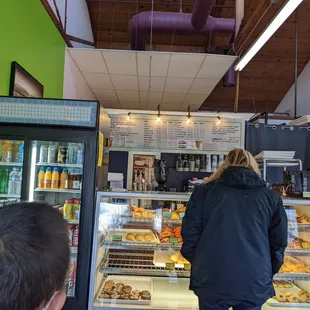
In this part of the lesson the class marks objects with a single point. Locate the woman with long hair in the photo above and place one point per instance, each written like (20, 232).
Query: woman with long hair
(234, 235)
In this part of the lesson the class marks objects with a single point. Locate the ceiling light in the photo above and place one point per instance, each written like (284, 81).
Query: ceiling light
(189, 115)
(128, 117)
(158, 113)
(280, 18)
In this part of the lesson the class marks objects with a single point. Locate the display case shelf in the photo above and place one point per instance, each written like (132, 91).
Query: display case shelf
(146, 221)
(9, 196)
(292, 276)
(5, 164)
(297, 252)
(137, 264)
(123, 245)
(59, 165)
(54, 190)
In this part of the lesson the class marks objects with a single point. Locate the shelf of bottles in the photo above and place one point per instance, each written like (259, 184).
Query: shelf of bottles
(56, 177)
(11, 168)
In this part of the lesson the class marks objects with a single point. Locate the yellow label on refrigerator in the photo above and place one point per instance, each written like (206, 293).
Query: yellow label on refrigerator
(100, 149)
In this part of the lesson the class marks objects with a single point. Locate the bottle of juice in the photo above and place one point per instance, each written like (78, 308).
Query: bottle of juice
(67, 210)
(64, 179)
(48, 178)
(41, 178)
(7, 152)
(55, 178)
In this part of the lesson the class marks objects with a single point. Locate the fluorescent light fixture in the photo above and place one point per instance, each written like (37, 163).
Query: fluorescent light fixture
(281, 17)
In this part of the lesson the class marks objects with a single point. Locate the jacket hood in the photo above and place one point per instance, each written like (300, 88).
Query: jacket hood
(241, 177)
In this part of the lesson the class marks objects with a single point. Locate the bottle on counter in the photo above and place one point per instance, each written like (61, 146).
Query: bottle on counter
(214, 163)
(192, 163)
(221, 159)
(197, 163)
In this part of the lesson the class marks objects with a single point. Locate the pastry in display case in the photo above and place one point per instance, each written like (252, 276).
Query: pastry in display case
(137, 264)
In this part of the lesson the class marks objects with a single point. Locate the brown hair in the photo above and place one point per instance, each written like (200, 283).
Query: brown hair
(34, 255)
(236, 158)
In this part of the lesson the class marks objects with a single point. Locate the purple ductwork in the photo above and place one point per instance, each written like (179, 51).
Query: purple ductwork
(140, 26)
(201, 13)
(229, 79)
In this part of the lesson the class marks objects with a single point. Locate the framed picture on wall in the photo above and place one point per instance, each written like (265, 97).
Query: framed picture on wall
(23, 84)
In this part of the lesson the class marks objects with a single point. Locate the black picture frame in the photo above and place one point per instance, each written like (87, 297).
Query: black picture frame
(23, 84)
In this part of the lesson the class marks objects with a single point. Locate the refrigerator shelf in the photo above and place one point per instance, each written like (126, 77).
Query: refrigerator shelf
(73, 222)
(137, 264)
(9, 196)
(123, 245)
(5, 164)
(54, 190)
(59, 165)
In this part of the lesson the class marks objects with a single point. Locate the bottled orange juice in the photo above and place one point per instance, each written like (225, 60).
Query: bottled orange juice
(48, 178)
(55, 178)
(7, 152)
(64, 179)
(41, 178)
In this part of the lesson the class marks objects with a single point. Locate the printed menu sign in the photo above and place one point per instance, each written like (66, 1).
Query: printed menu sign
(175, 135)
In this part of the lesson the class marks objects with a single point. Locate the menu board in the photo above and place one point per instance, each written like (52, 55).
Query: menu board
(171, 134)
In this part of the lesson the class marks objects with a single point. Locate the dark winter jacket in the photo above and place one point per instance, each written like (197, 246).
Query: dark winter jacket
(235, 234)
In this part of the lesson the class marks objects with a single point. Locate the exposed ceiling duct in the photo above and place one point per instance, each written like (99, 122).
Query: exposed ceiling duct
(143, 24)
(201, 12)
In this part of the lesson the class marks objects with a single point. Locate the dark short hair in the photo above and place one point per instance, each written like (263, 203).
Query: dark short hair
(34, 255)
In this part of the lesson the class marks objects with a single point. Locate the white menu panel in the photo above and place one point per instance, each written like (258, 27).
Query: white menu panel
(171, 134)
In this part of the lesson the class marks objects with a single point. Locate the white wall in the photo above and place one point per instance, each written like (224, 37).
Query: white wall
(78, 20)
(303, 95)
(75, 86)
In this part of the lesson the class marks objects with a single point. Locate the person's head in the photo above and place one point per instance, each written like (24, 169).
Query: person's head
(34, 257)
(236, 158)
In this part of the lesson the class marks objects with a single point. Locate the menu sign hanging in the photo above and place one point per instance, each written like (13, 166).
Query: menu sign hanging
(176, 135)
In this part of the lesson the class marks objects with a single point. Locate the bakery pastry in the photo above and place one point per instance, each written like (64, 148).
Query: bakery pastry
(104, 296)
(130, 237)
(136, 214)
(175, 257)
(280, 297)
(108, 286)
(133, 297)
(304, 298)
(127, 289)
(141, 209)
(174, 216)
(124, 296)
(134, 208)
(181, 210)
(293, 299)
(148, 238)
(145, 295)
(139, 237)
(119, 287)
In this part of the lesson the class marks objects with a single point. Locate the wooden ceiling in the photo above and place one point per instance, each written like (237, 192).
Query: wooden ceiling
(263, 83)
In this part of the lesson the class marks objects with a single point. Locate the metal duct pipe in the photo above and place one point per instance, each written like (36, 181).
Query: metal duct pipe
(201, 13)
(229, 79)
(140, 26)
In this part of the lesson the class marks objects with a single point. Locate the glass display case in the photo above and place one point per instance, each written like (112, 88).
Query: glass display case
(136, 262)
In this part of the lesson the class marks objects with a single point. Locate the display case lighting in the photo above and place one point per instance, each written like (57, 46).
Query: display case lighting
(189, 115)
(158, 113)
(219, 122)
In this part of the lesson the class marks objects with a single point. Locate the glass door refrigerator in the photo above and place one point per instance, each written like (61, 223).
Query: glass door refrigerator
(51, 155)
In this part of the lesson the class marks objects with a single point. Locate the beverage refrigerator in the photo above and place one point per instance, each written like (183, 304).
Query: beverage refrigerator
(48, 152)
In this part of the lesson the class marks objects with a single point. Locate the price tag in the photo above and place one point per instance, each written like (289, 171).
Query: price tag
(174, 240)
(187, 266)
(117, 238)
(170, 265)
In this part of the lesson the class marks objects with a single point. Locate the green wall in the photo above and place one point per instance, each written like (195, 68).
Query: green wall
(28, 36)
